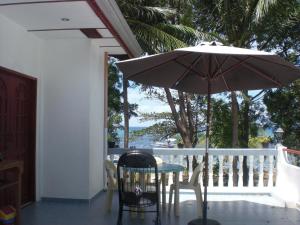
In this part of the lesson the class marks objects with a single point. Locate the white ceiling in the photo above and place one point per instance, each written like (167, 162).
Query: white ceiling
(44, 19)
(48, 15)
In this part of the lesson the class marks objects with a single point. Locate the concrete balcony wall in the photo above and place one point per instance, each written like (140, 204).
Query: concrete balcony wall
(288, 180)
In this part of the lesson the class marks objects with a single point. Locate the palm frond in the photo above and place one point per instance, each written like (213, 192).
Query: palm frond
(152, 39)
(184, 33)
(262, 8)
(152, 15)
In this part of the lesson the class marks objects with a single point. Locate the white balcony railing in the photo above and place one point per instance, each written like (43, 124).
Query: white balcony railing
(260, 163)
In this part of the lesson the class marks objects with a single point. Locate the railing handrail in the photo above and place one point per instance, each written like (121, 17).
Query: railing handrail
(200, 151)
(291, 151)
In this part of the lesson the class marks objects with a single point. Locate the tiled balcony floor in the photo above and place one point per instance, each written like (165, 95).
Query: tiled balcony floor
(228, 210)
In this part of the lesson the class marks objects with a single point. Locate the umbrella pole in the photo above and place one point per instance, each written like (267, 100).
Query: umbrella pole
(206, 153)
(204, 220)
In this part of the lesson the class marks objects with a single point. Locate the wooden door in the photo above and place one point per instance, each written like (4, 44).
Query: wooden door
(17, 125)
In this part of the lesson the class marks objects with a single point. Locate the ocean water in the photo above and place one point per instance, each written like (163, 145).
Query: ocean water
(145, 141)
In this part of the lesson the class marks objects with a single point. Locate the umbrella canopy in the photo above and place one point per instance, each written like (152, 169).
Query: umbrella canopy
(227, 68)
(207, 69)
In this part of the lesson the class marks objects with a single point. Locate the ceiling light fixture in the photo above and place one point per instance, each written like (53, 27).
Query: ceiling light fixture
(65, 19)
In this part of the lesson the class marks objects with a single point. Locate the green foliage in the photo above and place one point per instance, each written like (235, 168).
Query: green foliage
(157, 25)
(162, 25)
(258, 142)
(284, 110)
(114, 101)
(221, 131)
(115, 104)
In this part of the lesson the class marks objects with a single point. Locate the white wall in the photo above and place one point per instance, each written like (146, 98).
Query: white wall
(72, 119)
(69, 111)
(96, 119)
(19, 50)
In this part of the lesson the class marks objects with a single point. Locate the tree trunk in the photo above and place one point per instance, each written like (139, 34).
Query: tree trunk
(126, 113)
(235, 138)
(181, 121)
(245, 135)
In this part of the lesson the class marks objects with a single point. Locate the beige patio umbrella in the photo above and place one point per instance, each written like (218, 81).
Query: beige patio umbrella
(211, 68)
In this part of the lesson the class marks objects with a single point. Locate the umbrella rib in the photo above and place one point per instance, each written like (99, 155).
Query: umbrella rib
(220, 68)
(219, 65)
(201, 75)
(264, 75)
(188, 69)
(280, 64)
(228, 88)
(152, 68)
(234, 66)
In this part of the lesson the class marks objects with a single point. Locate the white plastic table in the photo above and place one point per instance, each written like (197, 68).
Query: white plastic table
(164, 168)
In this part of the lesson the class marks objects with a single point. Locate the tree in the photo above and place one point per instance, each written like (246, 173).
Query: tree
(283, 107)
(247, 23)
(114, 101)
(159, 29)
(115, 105)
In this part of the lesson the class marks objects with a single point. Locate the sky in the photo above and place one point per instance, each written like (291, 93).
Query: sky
(144, 105)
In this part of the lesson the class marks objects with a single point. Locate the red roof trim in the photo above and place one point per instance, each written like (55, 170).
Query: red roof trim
(292, 151)
(107, 23)
(91, 33)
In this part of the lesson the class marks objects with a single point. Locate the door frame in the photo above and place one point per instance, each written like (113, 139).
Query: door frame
(33, 80)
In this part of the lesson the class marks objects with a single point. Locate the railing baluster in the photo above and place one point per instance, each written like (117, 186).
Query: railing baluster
(171, 159)
(256, 160)
(210, 171)
(230, 178)
(240, 182)
(261, 171)
(221, 158)
(270, 180)
(251, 160)
(190, 169)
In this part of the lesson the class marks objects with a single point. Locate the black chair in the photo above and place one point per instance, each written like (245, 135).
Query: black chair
(138, 191)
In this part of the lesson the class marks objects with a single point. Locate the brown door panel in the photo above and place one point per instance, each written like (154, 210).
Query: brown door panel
(17, 125)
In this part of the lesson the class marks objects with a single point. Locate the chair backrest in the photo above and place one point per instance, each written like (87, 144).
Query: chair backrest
(132, 170)
(195, 175)
(111, 171)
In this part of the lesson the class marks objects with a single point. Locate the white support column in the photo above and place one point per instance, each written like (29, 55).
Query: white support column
(251, 160)
(221, 158)
(210, 171)
(261, 171)
(240, 182)
(270, 181)
(230, 179)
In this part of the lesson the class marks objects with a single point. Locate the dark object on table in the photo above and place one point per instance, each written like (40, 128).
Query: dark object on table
(202, 222)
(138, 191)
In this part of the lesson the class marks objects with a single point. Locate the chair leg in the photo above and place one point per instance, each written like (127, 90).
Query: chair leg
(199, 200)
(108, 201)
(120, 216)
(170, 198)
(157, 220)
